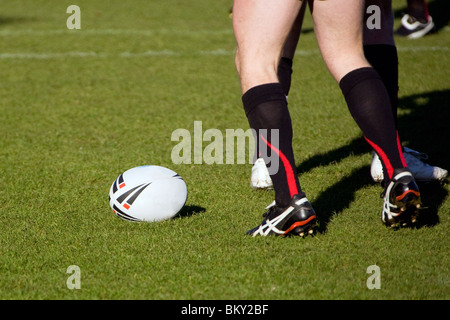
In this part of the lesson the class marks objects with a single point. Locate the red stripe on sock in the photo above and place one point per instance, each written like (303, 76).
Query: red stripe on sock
(384, 158)
(426, 11)
(290, 177)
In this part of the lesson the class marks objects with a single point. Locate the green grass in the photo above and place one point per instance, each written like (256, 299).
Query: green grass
(78, 107)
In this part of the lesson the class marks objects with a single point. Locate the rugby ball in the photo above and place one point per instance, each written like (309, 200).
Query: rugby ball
(147, 193)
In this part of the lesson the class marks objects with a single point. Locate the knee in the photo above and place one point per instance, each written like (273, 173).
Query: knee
(254, 64)
(255, 69)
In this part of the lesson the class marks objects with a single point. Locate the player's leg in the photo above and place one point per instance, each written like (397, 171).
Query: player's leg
(261, 28)
(260, 178)
(338, 26)
(381, 52)
(379, 46)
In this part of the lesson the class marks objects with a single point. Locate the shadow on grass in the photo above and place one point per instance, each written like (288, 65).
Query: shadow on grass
(424, 126)
(338, 197)
(357, 146)
(15, 20)
(188, 211)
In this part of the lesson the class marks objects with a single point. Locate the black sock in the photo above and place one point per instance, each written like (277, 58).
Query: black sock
(382, 57)
(384, 60)
(369, 104)
(266, 109)
(285, 73)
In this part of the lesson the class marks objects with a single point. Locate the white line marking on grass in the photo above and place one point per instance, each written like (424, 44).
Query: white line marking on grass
(114, 32)
(421, 49)
(169, 53)
(119, 32)
(166, 53)
(47, 56)
(150, 53)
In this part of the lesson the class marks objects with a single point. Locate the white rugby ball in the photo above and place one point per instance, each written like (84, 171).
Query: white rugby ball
(148, 193)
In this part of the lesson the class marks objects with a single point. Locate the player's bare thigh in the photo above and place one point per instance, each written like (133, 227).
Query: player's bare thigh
(261, 28)
(338, 28)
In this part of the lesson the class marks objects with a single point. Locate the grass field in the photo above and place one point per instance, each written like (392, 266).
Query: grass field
(78, 107)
